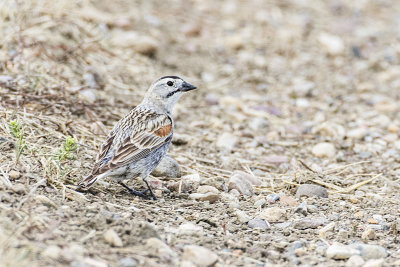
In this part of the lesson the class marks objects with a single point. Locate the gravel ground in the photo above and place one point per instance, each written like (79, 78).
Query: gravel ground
(287, 154)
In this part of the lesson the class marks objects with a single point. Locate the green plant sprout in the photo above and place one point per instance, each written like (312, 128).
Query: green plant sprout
(17, 131)
(67, 152)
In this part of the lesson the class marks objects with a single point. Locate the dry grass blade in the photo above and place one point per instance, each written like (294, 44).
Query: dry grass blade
(358, 185)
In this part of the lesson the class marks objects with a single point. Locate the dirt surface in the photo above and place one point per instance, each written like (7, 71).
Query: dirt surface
(290, 92)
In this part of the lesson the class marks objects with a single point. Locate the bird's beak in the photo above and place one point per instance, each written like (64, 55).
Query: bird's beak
(187, 87)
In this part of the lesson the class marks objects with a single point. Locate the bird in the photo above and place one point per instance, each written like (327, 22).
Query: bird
(139, 141)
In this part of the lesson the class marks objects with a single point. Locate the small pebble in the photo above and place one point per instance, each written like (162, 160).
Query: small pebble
(272, 198)
(273, 214)
(112, 238)
(243, 182)
(283, 225)
(260, 203)
(210, 197)
(242, 216)
(322, 150)
(369, 234)
(190, 229)
(206, 189)
(227, 141)
(200, 256)
(354, 200)
(311, 190)
(18, 188)
(276, 159)
(52, 251)
(372, 221)
(127, 262)
(359, 193)
(332, 44)
(374, 263)
(181, 187)
(359, 214)
(357, 133)
(258, 223)
(212, 99)
(355, 261)
(302, 209)
(157, 248)
(368, 252)
(312, 223)
(14, 175)
(288, 200)
(343, 234)
(341, 252)
(327, 228)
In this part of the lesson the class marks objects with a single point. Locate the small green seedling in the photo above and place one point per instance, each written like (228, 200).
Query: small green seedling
(67, 152)
(17, 131)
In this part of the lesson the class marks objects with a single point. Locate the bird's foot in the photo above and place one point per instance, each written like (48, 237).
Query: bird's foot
(142, 194)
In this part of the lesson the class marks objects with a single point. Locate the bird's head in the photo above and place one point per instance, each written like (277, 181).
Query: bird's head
(166, 91)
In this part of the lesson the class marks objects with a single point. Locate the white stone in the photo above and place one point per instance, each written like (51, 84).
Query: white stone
(210, 197)
(324, 150)
(375, 263)
(341, 252)
(355, 261)
(52, 251)
(158, 248)
(206, 189)
(332, 44)
(273, 214)
(227, 141)
(242, 216)
(357, 133)
(112, 238)
(368, 252)
(190, 229)
(200, 256)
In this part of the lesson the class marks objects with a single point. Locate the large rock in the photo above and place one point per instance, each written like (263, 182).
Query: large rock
(168, 167)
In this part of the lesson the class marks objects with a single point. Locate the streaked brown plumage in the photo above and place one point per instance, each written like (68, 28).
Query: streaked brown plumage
(140, 140)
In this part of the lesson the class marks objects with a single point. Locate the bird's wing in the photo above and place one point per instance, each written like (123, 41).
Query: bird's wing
(133, 138)
(148, 131)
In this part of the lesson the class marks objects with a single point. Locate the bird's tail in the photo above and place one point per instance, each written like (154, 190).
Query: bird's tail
(87, 182)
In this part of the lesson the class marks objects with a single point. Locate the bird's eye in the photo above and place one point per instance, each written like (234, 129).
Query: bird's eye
(170, 83)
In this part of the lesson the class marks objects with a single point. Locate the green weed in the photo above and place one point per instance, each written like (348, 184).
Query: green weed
(17, 130)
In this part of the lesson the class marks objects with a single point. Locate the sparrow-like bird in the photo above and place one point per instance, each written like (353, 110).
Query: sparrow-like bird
(138, 142)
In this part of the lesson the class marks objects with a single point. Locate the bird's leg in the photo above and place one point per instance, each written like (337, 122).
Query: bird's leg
(153, 197)
(142, 194)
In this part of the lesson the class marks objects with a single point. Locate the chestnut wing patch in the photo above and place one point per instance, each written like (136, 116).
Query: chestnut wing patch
(147, 136)
(164, 131)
